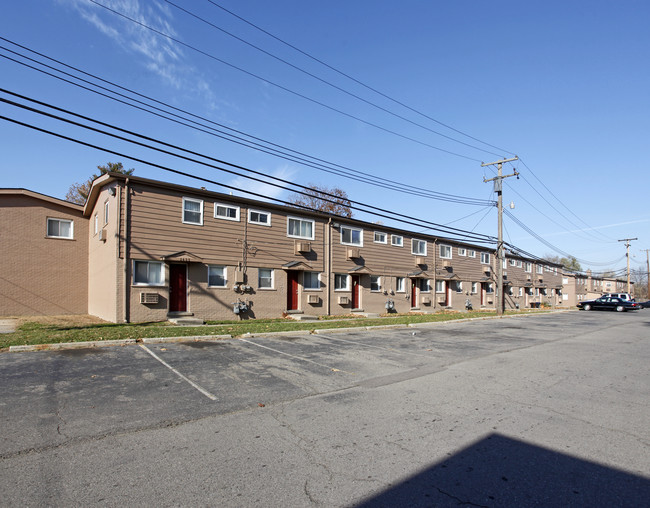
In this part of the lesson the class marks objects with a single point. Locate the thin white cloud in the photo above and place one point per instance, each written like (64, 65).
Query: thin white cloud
(158, 54)
(269, 192)
(596, 228)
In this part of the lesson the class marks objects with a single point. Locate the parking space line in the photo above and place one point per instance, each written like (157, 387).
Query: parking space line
(378, 347)
(202, 390)
(294, 356)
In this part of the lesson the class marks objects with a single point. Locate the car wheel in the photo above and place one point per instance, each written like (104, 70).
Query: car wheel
(587, 307)
(620, 308)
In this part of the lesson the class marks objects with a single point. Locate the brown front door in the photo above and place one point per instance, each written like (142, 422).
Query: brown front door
(292, 290)
(414, 292)
(356, 288)
(177, 288)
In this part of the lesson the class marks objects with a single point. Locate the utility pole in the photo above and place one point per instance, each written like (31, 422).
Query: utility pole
(627, 255)
(498, 188)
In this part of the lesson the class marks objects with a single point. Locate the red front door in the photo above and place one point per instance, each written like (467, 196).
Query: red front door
(292, 290)
(414, 293)
(356, 287)
(177, 288)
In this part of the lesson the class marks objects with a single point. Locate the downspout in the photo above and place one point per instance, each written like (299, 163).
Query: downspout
(328, 266)
(435, 276)
(127, 279)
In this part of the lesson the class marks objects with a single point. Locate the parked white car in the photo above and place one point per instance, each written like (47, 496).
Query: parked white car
(622, 296)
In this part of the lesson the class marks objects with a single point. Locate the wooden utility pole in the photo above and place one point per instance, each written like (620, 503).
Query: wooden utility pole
(627, 254)
(498, 188)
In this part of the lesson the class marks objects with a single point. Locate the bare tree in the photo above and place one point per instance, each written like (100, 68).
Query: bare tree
(321, 198)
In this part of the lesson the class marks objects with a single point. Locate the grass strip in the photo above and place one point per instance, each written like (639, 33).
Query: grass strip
(35, 332)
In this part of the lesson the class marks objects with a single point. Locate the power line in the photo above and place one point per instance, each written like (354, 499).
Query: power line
(300, 158)
(328, 83)
(370, 209)
(355, 80)
(281, 87)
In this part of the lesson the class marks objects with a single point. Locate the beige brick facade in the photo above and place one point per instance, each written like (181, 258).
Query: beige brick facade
(42, 274)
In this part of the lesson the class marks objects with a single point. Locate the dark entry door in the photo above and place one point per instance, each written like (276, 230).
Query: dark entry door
(292, 290)
(356, 288)
(414, 292)
(177, 288)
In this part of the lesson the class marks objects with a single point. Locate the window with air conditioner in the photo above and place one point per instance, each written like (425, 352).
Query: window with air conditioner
(148, 273)
(445, 251)
(311, 280)
(351, 236)
(341, 282)
(300, 228)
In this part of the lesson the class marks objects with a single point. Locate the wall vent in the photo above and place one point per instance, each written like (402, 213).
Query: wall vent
(313, 299)
(344, 300)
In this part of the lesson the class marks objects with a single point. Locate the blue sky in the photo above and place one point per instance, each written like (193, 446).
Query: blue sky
(564, 85)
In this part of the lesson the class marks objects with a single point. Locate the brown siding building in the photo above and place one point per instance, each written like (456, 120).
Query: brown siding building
(146, 250)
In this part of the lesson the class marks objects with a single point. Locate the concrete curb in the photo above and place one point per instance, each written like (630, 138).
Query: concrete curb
(208, 338)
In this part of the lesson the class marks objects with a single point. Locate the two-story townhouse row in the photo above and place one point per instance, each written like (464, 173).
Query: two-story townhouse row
(154, 250)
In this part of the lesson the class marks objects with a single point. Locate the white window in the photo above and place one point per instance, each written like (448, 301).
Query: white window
(193, 211)
(485, 258)
(106, 208)
(217, 276)
(227, 212)
(259, 217)
(474, 288)
(399, 284)
(489, 288)
(425, 285)
(513, 262)
(462, 251)
(311, 280)
(459, 286)
(60, 228)
(265, 278)
(375, 283)
(528, 267)
(380, 237)
(521, 291)
(519, 262)
(440, 286)
(148, 273)
(471, 253)
(300, 228)
(540, 269)
(340, 282)
(419, 247)
(351, 236)
(96, 223)
(396, 240)
(445, 251)
(565, 280)
(504, 264)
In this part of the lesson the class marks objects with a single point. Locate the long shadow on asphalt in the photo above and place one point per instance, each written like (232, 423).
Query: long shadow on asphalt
(501, 471)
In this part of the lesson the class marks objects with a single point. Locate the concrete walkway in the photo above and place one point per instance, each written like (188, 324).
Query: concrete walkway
(7, 325)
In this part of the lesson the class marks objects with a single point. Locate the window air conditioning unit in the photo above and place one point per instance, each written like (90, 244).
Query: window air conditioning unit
(102, 235)
(239, 276)
(446, 264)
(426, 300)
(487, 272)
(420, 260)
(149, 298)
(300, 247)
(352, 253)
(344, 300)
(441, 299)
(313, 299)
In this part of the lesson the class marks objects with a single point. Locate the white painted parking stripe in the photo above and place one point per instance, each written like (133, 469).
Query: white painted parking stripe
(202, 390)
(294, 356)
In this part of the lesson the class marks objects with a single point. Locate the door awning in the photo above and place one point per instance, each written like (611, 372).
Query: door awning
(419, 273)
(182, 257)
(296, 265)
(360, 269)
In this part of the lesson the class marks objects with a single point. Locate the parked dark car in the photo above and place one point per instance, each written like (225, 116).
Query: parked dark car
(609, 303)
(645, 305)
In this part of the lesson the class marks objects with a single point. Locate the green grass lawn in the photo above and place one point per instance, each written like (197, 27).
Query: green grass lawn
(69, 329)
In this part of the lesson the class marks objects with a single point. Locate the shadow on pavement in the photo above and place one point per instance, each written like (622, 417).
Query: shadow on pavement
(500, 471)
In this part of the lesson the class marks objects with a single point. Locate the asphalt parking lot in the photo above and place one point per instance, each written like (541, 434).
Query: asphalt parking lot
(56, 400)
